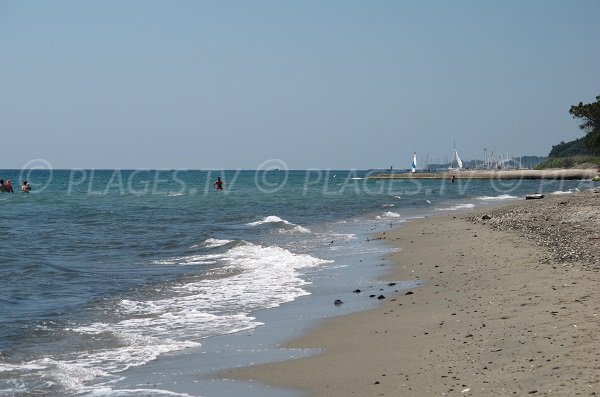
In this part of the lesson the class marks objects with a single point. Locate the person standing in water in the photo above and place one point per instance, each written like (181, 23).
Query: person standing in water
(25, 187)
(218, 183)
(8, 187)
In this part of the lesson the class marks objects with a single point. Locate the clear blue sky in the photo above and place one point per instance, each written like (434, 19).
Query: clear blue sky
(326, 84)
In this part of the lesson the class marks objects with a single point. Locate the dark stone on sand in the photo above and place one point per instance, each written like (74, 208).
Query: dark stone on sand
(357, 291)
(409, 293)
(376, 383)
(486, 217)
(337, 302)
(371, 296)
(381, 297)
(391, 284)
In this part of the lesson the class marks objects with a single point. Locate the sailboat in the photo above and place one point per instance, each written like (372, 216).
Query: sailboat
(414, 163)
(456, 160)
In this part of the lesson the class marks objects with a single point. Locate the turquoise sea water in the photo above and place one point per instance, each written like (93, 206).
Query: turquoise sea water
(106, 270)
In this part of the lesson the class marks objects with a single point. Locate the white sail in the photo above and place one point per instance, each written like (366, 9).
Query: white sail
(414, 163)
(459, 163)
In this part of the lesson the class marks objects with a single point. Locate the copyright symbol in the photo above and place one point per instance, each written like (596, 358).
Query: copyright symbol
(505, 186)
(271, 176)
(38, 173)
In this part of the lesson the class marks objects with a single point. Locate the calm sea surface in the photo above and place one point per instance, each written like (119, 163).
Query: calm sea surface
(102, 271)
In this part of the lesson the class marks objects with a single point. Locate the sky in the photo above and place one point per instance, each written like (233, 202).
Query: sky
(313, 84)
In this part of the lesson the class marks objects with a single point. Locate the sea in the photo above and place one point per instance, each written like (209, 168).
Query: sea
(107, 275)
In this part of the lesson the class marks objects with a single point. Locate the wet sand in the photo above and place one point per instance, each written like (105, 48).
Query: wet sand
(495, 317)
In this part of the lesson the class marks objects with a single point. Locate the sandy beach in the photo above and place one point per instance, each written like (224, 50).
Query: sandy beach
(510, 306)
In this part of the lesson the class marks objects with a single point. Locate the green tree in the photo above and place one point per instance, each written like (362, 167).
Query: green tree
(589, 114)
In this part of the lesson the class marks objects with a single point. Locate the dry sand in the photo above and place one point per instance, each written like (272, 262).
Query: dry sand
(494, 318)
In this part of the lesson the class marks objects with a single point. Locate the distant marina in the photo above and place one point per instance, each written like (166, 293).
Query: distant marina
(492, 167)
(565, 174)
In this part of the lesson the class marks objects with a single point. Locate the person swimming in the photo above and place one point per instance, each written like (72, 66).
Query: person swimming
(218, 183)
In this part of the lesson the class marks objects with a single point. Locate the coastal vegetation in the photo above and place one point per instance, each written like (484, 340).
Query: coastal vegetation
(568, 162)
(589, 114)
(572, 148)
(582, 151)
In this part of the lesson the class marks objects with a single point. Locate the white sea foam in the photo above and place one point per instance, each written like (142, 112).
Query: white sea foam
(285, 226)
(189, 260)
(259, 277)
(343, 236)
(108, 392)
(75, 374)
(559, 192)
(31, 366)
(295, 229)
(71, 376)
(213, 242)
(270, 219)
(499, 197)
(457, 207)
(389, 215)
(389, 205)
(256, 277)
(137, 350)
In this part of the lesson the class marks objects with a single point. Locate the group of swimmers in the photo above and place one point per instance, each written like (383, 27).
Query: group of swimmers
(6, 187)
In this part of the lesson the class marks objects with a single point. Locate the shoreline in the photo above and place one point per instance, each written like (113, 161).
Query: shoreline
(497, 315)
(554, 174)
(191, 372)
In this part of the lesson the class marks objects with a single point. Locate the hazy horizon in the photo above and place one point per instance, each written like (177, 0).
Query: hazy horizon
(269, 165)
(329, 85)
